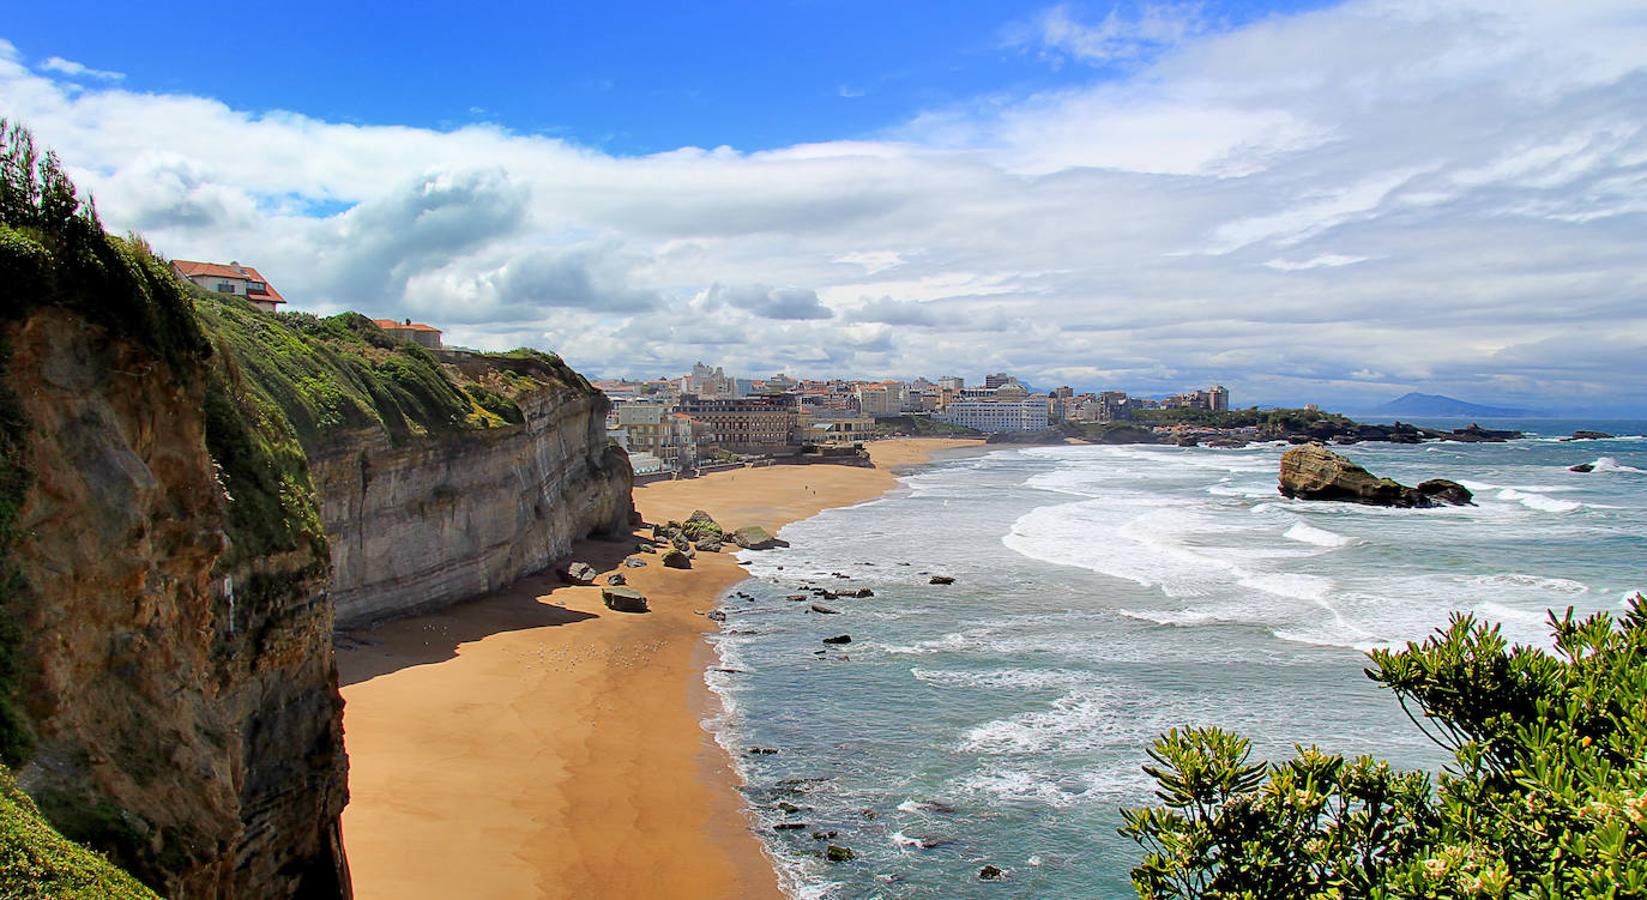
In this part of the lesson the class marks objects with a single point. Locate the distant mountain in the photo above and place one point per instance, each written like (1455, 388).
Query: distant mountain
(1416, 404)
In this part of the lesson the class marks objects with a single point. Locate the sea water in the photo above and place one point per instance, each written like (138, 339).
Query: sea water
(1101, 596)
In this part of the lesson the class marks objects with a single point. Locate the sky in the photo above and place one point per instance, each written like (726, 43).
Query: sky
(1307, 202)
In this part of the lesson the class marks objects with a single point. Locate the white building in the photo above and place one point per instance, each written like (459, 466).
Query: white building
(881, 399)
(710, 384)
(993, 416)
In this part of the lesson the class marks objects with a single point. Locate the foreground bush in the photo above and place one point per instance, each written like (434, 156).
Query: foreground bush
(1546, 797)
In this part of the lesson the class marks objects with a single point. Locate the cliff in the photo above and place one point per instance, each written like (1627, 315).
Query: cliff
(169, 696)
(441, 475)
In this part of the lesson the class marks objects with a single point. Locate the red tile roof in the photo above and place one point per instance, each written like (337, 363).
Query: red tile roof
(392, 325)
(193, 270)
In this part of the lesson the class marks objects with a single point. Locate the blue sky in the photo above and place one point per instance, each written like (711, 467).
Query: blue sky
(1334, 203)
(626, 77)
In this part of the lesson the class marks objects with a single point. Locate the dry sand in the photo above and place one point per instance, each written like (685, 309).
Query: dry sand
(534, 743)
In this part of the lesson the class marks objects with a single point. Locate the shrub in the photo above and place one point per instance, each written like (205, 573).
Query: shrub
(1547, 796)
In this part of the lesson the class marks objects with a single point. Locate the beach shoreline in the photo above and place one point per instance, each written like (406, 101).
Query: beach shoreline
(534, 742)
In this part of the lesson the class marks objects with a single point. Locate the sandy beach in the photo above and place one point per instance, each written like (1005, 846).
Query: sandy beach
(534, 743)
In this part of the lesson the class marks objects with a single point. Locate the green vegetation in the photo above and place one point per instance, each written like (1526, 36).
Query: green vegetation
(38, 862)
(1546, 796)
(1268, 421)
(921, 426)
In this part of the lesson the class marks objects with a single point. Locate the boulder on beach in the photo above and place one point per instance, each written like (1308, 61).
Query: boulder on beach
(709, 545)
(623, 599)
(1312, 472)
(634, 562)
(676, 558)
(754, 537)
(579, 573)
(616, 578)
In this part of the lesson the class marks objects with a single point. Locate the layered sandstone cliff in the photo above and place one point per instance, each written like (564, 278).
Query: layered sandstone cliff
(180, 695)
(441, 519)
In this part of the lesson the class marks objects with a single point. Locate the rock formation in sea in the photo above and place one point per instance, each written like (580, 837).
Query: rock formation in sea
(1312, 472)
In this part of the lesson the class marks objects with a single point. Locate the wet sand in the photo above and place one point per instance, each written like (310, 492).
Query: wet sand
(535, 743)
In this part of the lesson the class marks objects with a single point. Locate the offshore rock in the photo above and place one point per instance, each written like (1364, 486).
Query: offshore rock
(1312, 472)
(1449, 492)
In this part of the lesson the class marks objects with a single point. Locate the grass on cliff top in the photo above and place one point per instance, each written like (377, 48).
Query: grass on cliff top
(37, 861)
(343, 373)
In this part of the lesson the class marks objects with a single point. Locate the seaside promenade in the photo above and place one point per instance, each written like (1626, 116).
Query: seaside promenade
(534, 743)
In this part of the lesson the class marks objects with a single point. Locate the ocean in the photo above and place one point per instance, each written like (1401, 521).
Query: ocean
(1101, 596)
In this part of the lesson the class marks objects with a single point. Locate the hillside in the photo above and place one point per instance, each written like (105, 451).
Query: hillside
(1416, 404)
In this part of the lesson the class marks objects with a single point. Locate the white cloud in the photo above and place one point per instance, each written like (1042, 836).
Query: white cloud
(1325, 260)
(77, 70)
(1208, 211)
(1127, 32)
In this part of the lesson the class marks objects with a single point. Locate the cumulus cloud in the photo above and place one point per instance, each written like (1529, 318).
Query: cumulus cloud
(772, 303)
(1336, 205)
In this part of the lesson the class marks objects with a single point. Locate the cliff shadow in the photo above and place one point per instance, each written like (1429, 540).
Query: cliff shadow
(432, 637)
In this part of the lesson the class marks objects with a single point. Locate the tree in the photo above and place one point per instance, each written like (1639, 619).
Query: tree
(1547, 796)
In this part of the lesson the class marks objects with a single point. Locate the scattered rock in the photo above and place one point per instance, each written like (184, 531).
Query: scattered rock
(824, 835)
(762, 751)
(788, 807)
(623, 599)
(820, 608)
(941, 579)
(990, 873)
(837, 853)
(754, 537)
(645, 548)
(795, 598)
(839, 639)
(1449, 492)
(579, 573)
(1312, 472)
(716, 615)
(709, 545)
(1582, 467)
(789, 826)
(869, 813)
(634, 563)
(615, 579)
(856, 592)
(675, 558)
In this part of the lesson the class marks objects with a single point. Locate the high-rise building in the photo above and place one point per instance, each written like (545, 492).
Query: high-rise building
(996, 379)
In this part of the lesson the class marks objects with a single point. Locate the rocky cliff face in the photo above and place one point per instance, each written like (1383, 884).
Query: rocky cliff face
(181, 694)
(441, 519)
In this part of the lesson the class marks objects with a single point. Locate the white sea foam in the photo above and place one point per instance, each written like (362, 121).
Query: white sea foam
(999, 678)
(1611, 464)
(1540, 502)
(1320, 537)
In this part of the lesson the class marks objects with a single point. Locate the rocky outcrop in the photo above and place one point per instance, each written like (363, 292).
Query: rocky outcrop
(1312, 472)
(176, 664)
(440, 519)
(754, 537)
(1582, 435)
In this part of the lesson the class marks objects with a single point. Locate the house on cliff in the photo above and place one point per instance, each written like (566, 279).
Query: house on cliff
(234, 278)
(411, 332)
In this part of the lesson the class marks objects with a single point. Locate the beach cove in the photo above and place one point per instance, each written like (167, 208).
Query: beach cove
(534, 743)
